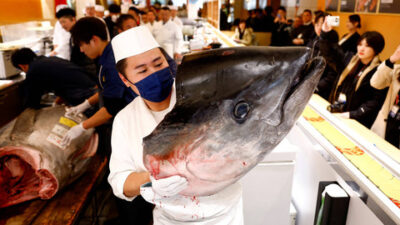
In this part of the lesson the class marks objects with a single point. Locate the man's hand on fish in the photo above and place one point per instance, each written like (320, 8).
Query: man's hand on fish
(162, 188)
(73, 133)
(73, 111)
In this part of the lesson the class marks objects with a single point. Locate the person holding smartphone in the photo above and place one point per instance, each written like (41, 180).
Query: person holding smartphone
(387, 122)
(352, 95)
(280, 32)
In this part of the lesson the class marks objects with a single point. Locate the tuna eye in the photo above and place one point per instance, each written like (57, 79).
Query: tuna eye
(241, 111)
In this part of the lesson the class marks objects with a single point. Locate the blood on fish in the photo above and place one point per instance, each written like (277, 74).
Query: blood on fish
(195, 216)
(244, 163)
(195, 200)
(173, 157)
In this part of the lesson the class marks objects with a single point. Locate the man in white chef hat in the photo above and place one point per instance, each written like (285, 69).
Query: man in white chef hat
(61, 38)
(169, 35)
(90, 8)
(142, 66)
(99, 11)
(174, 17)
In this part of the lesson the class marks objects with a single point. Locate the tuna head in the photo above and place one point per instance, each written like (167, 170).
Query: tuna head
(233, 107)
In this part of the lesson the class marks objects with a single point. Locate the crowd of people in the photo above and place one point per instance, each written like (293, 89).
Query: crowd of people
(355, 82)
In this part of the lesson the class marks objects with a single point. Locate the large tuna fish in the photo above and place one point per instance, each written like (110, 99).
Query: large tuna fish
(233, 107)
(32, 162)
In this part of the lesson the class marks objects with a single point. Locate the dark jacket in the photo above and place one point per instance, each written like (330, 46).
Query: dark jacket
(350, 45)
(80, 59)
(306, 33)
(366, 101)
(53, 74)
(280, 35)
(255, 23)
(324, 45)
(267, 23)
(111, 26)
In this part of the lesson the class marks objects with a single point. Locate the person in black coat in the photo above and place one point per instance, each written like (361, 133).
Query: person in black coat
(296, 27)
(267, 20)
(115, 11)
(223, 20)
(254, 21)
(51, 74)
(321, 45)
(306, 30)
(349, 41)
(352, 95)
(280, 34)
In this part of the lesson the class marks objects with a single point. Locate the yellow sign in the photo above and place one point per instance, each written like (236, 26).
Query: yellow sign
(67, 122)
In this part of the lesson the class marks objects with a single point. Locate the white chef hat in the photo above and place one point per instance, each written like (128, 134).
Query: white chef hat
(133, 42)
(62, 6)
(99, 8)
(90, 3)
(172, 7)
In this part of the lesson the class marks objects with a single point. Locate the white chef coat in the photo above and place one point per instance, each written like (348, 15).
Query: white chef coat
(130, 126)
(61, 38)
(178, 21)
(170, 38)
(152, 27)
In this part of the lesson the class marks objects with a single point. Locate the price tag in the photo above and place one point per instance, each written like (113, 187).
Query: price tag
(56, 140)
(59, 130)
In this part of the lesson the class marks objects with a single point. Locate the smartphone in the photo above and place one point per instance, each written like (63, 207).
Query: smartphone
(333, 21)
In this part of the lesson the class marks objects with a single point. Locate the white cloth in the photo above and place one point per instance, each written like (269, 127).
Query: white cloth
(153, 27)
(170, 38)
(61, 38)
(133, 123)
(178, 22)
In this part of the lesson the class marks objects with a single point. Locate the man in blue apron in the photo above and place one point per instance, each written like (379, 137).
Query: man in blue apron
(90, 34)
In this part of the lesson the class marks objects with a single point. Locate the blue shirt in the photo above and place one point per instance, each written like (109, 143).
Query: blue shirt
(111, 83)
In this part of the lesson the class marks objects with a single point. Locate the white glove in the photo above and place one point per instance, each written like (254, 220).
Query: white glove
(73, 111)
(73, 133)
(163, 188)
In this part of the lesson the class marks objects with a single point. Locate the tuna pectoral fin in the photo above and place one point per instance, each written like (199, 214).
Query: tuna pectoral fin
(299, 98)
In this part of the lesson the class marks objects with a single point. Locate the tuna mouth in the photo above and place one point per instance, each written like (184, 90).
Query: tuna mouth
(24, 175)
(21, 179)
(307, 74)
